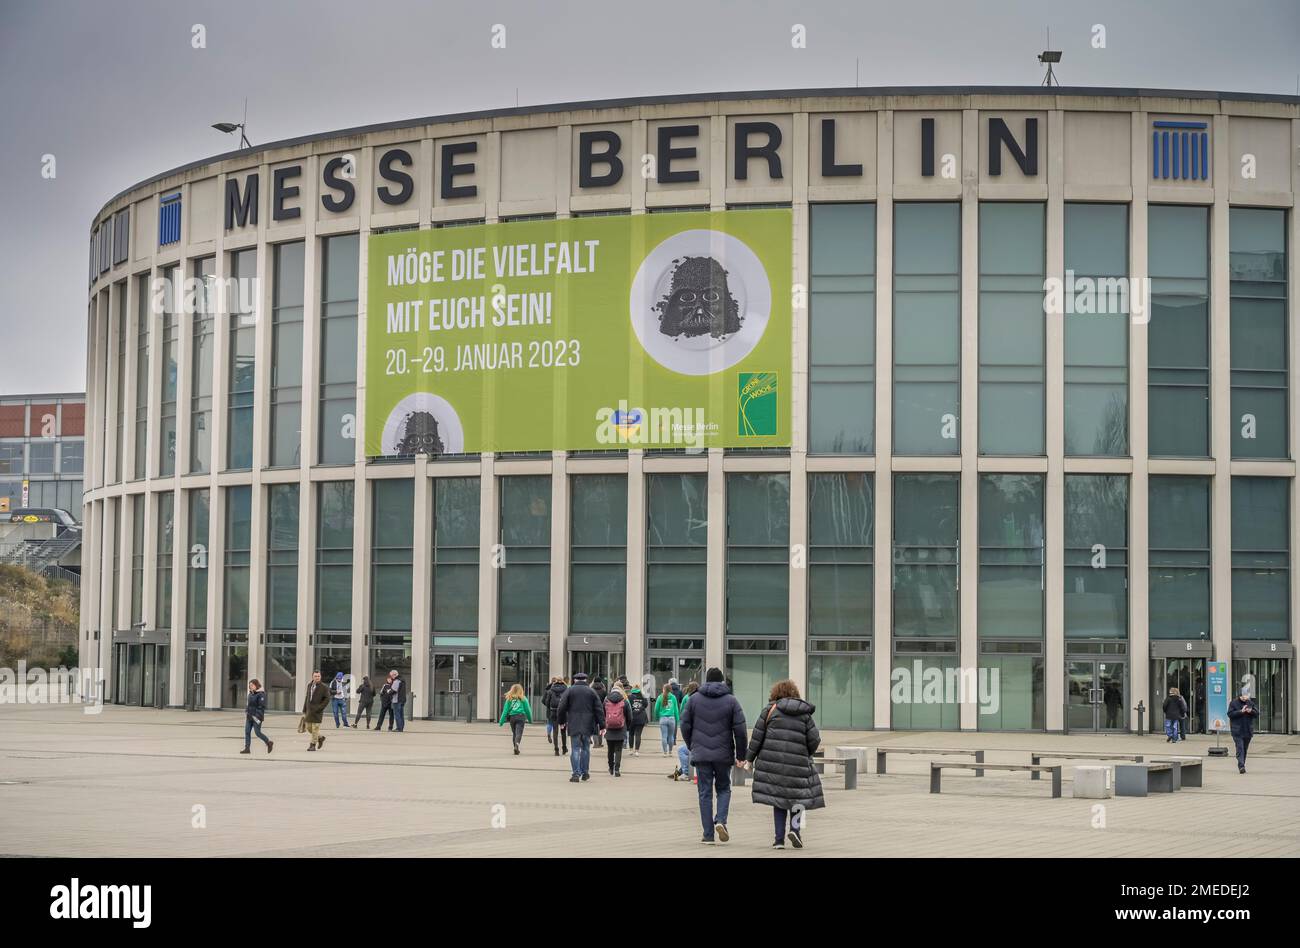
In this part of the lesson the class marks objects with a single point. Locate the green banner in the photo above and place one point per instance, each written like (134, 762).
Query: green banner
(647, 330)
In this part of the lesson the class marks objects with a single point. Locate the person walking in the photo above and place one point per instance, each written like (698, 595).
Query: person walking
(1242, 712)
(690, 689)
(640, 706)
(781, 755)
(581, 714)
(313, 709)
(713, 728)
(669, 713)
(559, 737)
(601, 690)
(399, 700)
(385, 703)
(618, 716)
(365, 698)
(1175, 709)
(339, 699)
(515, 709)
(254, 715)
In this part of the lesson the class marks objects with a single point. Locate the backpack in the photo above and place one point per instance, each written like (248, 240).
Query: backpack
(614, 717)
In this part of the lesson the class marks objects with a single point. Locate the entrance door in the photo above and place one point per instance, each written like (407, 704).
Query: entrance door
(1188, 676)
(527, 668)
(121, 660)
(684, 667)
(1267, 678)
(1095, 694)
(195, 662)
(452, 678)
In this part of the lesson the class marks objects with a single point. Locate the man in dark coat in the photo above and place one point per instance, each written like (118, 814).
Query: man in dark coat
(1242, 712)
(598, 686)
(314, 704)
(399, 699)
(365, 698)
(713, 729)
(551, 699)
(581, 714)
(385, 703)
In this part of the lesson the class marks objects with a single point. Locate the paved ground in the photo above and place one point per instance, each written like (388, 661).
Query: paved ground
(127, 782)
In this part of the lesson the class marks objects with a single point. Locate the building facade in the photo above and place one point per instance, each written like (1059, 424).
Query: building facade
(42, 451)
(1044, 418)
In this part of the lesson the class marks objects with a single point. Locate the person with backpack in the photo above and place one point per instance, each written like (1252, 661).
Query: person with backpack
(551, 699)
(601, 690)
(714, 730)
(385, 703)
(1175, 709)
(618, 715)
(365, 698)
(781, 756)
(339, 699)
(254, 715)
(668, 713)
(515, 709)
(640, 706)
(582, 714)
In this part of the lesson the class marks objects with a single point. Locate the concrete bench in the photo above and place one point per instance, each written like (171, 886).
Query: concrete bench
(1091, 783)
(856, 752)
(1138, 780)
(1187, 770)
(882, 751)
(1039, 757)
(848, 766)
(937, 767)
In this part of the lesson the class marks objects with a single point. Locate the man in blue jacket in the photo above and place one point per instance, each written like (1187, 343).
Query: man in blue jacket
(581, 715)
(713, 729)
(1242, 712)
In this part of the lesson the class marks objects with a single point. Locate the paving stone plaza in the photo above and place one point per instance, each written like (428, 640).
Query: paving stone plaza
(151, 783)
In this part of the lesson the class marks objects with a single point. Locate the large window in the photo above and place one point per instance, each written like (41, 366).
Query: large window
(926, 530)
(137, 559)
(927, 328)
(142, 321)
(1178, 338)
(334, 544)
(119, 419)
(1096, 556)
(524, 592)
(338, 349)
(1096, 329)
(238, 553)
(201, 366)
(170, 363)
(598, 554)
(1261, 558)
(196, 596)
(281, 595)
(677, 522)
(391, 555)
(286, 356)
(1010, 600)
(1179, 574)
(1012, 327)
(40, 457)
(163, 561)
(842, 337)
(841, 514)
(456, 506)
(242, 374)
(1257, 261)
(758, 554)
(72, 459)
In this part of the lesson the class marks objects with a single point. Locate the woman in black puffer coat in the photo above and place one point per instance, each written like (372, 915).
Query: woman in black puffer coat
(780, 753)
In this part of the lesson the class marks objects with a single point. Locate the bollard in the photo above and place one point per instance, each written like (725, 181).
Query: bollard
(1141, 710)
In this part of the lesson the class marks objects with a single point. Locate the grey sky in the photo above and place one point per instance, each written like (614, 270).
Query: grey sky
(116, 93)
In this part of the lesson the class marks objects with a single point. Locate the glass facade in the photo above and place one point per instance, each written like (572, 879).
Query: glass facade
(1258, 332)
(281, 595)
(598, 554)
(758, 551)
(456, 517)
(286, 355)
(166, 525)
(1011, 565)
(1178, 534)
(334, 544)
(242, 375)
(202, 356)
(677, 521)
(392, 541)
(1096, 556)
(524, 590)
(196, 591)
(340, 258)
(1095, 315)
(1261, 558)
(143, 319)
(841, 531)
(1178, 337)
(238, 557)
(925, 561)
(170, 363)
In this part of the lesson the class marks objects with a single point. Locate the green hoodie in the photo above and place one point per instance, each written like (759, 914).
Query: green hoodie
(668, 708)
(516, 706)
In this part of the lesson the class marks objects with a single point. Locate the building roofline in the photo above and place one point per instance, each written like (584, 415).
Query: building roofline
(734, 96)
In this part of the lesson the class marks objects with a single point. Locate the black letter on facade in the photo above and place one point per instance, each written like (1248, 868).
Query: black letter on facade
(744, 152)
(334, 182)
(927, 148)
(280, 193)
(609, 157)
(450, 170)
(829, 168)
(239, 213)
(667, 153)
(401, 178)
(999, 134)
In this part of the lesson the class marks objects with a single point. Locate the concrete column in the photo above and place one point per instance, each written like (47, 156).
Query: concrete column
(1054, 497)
(306, 598)
(421, 583)
(797, 643)
(882, 619)
(968, 539)
(559, 622)
(1138, 497)
(1293, 298)
(1220, 400)
(489, 547)
(716, 607)
(635, 626)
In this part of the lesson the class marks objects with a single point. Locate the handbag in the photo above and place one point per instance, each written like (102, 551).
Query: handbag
(302, 724)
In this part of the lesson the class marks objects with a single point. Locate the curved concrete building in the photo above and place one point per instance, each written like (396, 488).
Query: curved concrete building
(1038, 465)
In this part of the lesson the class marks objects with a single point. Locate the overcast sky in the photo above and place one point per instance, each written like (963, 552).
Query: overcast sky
(115, 91)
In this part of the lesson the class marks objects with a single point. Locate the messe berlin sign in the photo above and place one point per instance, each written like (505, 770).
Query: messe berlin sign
(654, 330)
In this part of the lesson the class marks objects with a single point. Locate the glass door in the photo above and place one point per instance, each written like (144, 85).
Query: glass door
(531, 669)
(1188, 676)
(1267, 678)
(451, 677)
(120, 655)
(684, 667)
(147, 697)
(1095, 695)
(195, 661)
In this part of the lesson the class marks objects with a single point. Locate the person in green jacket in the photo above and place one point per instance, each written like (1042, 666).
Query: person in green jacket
(515, 709)
(669, 714)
